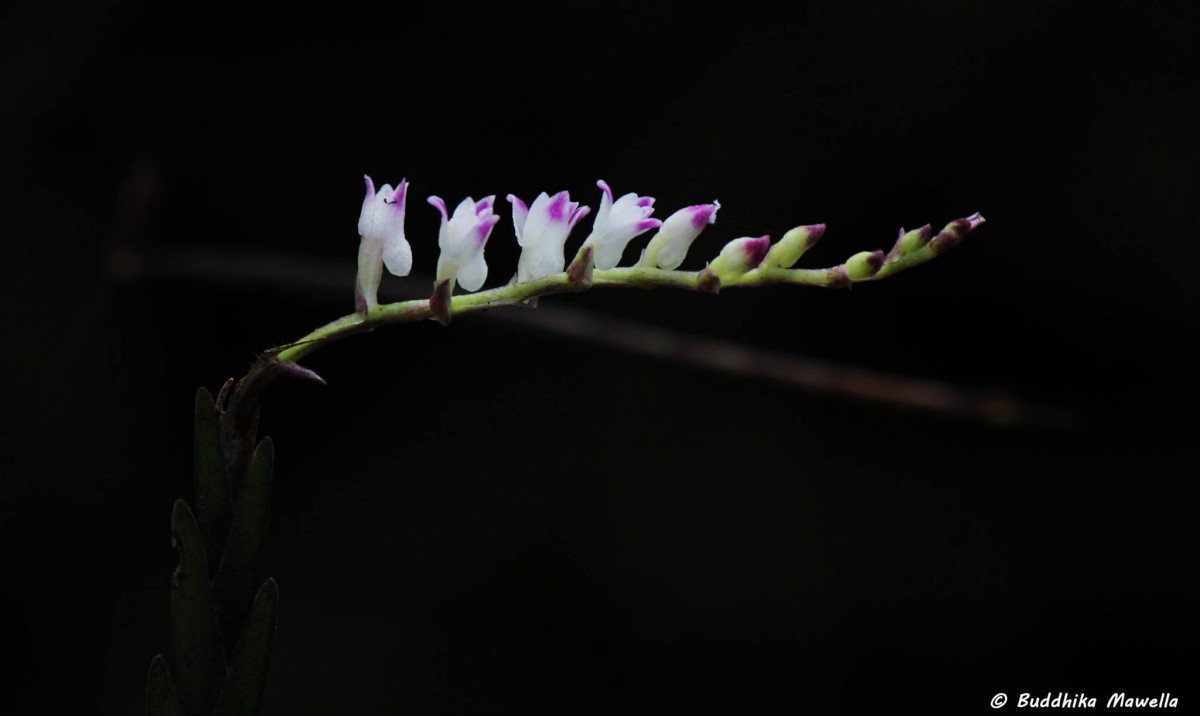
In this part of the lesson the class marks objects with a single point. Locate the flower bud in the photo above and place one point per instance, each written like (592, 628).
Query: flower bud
(788, 250)
(670, 245)
(913, 240)
(864, 265)
(740, 256)
(954, 232)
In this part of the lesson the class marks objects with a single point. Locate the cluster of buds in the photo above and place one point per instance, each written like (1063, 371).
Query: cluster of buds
(543, 227)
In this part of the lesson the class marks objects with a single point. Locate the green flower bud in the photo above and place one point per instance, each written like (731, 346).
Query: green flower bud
(864, 265)
(788, 250)
(954, 232)
(739, 256)
(914, 239)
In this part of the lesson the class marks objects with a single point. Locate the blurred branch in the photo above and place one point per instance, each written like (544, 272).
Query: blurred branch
(256, 268)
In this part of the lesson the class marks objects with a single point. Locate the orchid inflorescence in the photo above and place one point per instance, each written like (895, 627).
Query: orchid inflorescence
(543, 227)
(222, 625)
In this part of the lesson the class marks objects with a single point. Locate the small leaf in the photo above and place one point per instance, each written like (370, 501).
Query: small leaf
(199, 659)
(160, 692)
(233, 587)
(212, 487)
(242, 695)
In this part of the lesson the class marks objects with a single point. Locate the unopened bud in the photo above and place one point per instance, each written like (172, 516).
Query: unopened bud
(788, 250)
(740, 256)
(954, 232)
(913, 240)
(864, 265)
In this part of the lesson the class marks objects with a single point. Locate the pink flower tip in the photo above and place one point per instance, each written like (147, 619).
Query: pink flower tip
(756, 249)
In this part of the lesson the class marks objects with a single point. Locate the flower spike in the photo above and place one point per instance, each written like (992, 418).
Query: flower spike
(670, 245)
(617, 223)
(381, 226)
(542, 231)
(461, 239)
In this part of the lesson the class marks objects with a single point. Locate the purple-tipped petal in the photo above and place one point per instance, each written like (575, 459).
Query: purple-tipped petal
(577, 214)
(520, 216)
(606, 198)
(646, 224)
(484, 228)
(401, 193)
(646, 201)
(438, 203)
(366, 216)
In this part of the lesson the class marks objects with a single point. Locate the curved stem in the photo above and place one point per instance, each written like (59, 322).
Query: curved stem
(634, 277)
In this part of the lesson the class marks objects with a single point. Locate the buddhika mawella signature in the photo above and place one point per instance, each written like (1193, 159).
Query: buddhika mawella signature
(1064, 700)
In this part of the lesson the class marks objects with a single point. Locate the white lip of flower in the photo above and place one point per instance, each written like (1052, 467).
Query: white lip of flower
(542, 231)
(381, 226)
(670, 245)
(617, 223)
(461, 239)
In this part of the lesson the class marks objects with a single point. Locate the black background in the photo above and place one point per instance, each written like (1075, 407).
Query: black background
(489, 519)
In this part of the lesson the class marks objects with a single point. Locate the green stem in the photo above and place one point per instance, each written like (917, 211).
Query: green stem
(635, 277)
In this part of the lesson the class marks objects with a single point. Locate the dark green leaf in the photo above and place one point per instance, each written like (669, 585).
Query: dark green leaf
(199, 658)
(233, 586)
(160, 692)
(242, 695)
(212, 486)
